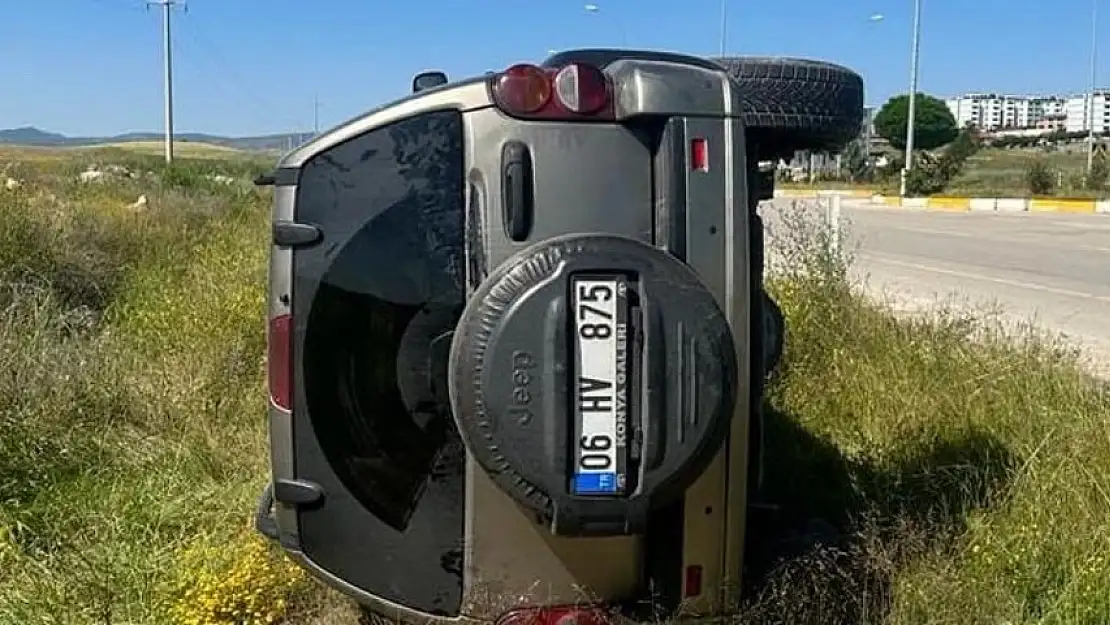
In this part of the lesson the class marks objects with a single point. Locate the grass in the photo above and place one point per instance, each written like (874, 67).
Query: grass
(930, 470)
(131, 436)
(1001, 173)
(992, 172)
(181, 149)
(942, 468)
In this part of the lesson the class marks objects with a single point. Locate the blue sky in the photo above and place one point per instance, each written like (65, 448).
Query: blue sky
(93, 67)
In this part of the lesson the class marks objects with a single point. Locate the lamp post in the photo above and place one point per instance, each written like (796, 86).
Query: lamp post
(724, 25)
(911, 115)
(1091, 97)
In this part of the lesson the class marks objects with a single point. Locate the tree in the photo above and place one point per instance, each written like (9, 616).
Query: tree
(934, 125)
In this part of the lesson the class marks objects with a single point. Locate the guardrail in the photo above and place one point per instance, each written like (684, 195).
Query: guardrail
(960, 203)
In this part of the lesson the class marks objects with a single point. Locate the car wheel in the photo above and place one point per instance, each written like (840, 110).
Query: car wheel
(774, 332)
(796, 104)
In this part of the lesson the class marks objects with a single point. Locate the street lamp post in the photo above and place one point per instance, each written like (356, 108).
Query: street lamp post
(912, 113)
(724, 25)
(1091, 97)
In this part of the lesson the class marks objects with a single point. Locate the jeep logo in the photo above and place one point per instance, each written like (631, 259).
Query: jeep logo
(520, 407)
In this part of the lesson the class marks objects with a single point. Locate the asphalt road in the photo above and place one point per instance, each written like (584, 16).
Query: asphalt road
(1051, 269)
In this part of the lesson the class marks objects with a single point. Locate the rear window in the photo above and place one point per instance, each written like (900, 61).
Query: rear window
(388, 288)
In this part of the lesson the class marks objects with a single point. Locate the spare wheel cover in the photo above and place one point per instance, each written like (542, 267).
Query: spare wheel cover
(512, 387)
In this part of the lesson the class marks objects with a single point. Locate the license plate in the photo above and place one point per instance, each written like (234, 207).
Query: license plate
(600, 313)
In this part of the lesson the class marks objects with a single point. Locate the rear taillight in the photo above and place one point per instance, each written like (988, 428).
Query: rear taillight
(574, 92)
(559, 615)
(279, 361)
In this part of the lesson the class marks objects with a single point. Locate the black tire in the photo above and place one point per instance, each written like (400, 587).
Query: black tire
(797, 104)
(773, 351)
(510, 367)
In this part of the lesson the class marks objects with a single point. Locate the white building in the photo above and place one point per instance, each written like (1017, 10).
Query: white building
(991, 111)
(1078, 112)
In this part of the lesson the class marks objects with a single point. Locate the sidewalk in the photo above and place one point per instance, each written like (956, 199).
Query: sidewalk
(957, 203)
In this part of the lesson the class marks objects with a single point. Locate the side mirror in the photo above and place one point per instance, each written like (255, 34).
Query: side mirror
(428, 80)
(762, 184)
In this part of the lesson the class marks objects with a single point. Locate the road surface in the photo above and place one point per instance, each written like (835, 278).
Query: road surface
(1052, 269)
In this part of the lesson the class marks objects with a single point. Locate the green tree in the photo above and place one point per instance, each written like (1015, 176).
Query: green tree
(934, 125)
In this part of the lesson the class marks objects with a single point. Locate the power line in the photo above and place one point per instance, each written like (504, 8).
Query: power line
(167, 51)
(221, 67)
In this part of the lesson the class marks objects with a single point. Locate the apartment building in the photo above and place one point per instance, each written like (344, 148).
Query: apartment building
(992, 111)
(1078, 111)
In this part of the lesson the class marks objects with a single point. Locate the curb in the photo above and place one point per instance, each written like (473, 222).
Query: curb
(961, 204)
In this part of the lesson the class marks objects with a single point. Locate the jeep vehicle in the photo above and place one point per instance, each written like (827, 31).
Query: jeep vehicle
(518, 335)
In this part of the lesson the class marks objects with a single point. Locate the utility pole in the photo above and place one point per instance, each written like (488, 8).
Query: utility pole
(911, 115)
(724, 25)
(167, 42)
(315, 115)
(1091, 97)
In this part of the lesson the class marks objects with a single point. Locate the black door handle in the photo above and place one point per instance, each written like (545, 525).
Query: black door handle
(517, 190)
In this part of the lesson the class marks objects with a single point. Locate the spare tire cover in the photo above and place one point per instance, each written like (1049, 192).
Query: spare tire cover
(513, 380)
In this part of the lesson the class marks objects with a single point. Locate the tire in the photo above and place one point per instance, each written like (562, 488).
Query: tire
(788, 104)
(774, 328)
(797, 104)
(511, 385)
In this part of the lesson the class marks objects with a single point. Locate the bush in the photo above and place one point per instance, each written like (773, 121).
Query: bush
(933, 174)
(928, 176)
(1099, 177)
(963, 147)
(247, 584)
(857, 162)
(1039, 177)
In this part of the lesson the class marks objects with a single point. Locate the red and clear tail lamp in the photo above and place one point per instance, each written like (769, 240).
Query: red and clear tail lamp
(577, 91)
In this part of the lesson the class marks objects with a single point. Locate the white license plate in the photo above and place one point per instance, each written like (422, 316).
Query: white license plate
(600, 312)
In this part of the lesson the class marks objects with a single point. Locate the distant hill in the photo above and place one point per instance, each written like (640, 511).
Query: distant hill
(31, 136)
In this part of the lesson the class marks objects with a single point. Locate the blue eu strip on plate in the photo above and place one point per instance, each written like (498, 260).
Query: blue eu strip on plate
(595, 483)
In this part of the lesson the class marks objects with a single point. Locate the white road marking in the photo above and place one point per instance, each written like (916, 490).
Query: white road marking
(985, 278)
(1082, 225)
(967, 235)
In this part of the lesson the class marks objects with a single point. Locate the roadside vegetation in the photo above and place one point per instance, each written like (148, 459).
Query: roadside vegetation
(930, 470)
(964, 162)
(937, 468)
(131, 434)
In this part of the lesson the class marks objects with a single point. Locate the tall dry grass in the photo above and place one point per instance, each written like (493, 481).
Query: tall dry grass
(132, 441)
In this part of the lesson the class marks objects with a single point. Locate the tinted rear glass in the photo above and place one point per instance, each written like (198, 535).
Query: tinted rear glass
(389, 289)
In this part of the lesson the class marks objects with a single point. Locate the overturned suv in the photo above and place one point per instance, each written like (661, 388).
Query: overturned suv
(518, 335)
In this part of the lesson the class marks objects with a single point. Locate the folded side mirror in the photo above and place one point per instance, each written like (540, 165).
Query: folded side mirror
(428, 80)
(763, 183)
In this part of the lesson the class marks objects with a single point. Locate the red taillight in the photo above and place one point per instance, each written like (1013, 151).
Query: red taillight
(279, 345)
(574, 92)
(523, 89)
(699, 154)
(559, 615)
(692, 587)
